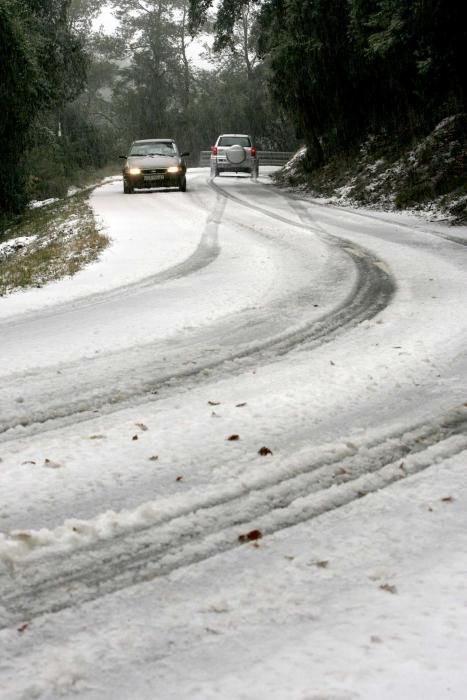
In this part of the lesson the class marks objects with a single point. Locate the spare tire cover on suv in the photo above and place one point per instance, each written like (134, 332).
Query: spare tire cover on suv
(235, 154)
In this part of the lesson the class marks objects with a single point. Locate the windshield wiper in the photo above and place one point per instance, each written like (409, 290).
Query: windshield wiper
(170, 155)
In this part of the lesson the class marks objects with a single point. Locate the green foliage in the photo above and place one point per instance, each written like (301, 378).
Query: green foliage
(159, 92)
(18, 95)
(343, 68)
(56, 162)
(328, 72)
(43, 68)
(438, 166)
(73, 99)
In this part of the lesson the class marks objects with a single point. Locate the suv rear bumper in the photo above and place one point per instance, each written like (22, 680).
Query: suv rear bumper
(223, 165)
(235, 168)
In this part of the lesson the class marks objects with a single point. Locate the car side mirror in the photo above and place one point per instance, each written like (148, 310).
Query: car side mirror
(185, 153)
(122, 157)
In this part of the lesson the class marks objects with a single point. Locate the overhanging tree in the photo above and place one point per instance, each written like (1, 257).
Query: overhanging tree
(345, 67)
(43, 67)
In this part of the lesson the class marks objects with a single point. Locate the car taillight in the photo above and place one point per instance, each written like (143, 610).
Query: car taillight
(253, 152)
(214, 150)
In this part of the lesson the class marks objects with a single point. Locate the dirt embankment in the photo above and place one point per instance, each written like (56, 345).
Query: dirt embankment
(429, 175)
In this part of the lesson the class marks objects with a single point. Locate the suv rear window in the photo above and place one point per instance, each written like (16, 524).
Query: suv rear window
(234, 141)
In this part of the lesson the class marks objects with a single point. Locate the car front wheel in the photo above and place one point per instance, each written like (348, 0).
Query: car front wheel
(127, 189)
(182, 184)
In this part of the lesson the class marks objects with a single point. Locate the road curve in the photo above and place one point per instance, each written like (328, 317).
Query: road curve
(334, 338)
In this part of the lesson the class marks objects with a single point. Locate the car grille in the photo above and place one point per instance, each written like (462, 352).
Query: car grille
(156, 171)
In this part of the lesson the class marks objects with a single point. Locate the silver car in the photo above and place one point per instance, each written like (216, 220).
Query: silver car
(234, 153)
(154, 163)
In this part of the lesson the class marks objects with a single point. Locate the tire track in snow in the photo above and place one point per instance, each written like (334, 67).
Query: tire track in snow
(372, 291)
(206, 252)
(457, 240)
(212, 524)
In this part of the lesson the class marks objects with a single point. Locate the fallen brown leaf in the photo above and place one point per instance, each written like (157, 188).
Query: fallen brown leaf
(388, 587)
(240, 405)
(263, 451)
(447, 499)
(28, 461)
(214, 403)
(233, 437)
(96, 437)
(22, 536)
(142, 426)
(323, 564)
(251, 536)
(154, 458)
(135, 437)
(179, 478)
(23, 627)
(51, 465)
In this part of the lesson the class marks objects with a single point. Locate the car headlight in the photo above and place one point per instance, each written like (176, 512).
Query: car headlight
(173, 169)
(134, 171)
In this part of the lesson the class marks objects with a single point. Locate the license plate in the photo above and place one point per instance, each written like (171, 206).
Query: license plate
(153, 178)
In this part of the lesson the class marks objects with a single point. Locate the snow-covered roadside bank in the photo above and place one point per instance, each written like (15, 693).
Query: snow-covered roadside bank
(410, 219)
(141, 246)
(426, 176)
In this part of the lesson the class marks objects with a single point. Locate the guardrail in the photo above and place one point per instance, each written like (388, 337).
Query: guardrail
(264, 157)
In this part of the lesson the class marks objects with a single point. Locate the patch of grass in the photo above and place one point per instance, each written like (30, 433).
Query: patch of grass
(49, 180)
(55, 241)
(88, 178)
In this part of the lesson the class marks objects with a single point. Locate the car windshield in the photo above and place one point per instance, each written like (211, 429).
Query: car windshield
(234, 141)
(153, 148)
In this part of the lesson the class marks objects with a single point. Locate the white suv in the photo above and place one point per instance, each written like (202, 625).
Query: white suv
(234, 153)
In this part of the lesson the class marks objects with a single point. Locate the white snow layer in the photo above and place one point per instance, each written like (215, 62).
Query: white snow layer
(357, 588)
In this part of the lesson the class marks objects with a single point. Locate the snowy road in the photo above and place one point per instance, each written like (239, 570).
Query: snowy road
(135, 401)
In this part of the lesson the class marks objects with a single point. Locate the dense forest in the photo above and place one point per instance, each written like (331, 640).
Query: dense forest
(287, 71)
(343, 68)
(74, 97)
